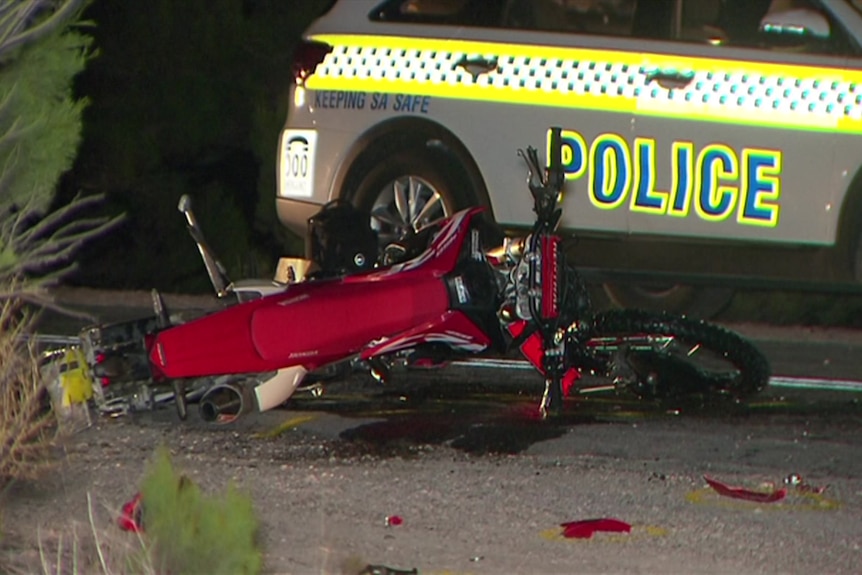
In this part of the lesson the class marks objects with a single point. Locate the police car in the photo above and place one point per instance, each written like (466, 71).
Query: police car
(710, 144)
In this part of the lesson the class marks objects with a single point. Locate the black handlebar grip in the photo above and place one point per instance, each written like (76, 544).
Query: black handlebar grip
(555, 151)
(555, 161)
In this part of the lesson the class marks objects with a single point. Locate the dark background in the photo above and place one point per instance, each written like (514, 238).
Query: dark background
(185, 96)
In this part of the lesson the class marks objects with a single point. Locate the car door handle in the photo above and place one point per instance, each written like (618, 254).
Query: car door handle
(477, 66)
(670, 79)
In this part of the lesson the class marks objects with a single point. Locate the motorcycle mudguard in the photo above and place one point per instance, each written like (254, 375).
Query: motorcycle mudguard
(317, 322)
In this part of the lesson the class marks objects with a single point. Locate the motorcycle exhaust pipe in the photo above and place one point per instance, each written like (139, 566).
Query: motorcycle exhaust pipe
(225, 403)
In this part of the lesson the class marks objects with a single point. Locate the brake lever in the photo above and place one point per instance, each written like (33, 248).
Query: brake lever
(534, 172)
(545, 185)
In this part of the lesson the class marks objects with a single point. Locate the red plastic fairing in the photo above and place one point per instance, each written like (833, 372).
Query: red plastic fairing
(318, 322)
(743, 493)
(452, 328)
(585, 529)
(442, 255)
(310, 324)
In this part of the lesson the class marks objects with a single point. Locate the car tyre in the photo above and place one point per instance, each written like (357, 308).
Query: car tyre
(409, 190)
(697, 302)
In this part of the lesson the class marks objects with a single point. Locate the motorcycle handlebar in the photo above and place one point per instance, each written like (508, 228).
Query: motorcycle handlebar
(546, 185)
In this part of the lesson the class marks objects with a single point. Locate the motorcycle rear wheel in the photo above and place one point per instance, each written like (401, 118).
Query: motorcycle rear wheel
(664, 356)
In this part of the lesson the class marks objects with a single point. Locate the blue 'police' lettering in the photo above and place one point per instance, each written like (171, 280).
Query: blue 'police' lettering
(713, 182)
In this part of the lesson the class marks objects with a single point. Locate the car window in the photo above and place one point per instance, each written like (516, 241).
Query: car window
(606, 17)
(779, 25)
(451, 12)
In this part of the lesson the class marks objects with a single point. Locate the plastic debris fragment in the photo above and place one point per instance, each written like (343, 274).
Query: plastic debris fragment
(131, 515)
(584, 529)
(795, 480)
(746, 494)
(393, 520)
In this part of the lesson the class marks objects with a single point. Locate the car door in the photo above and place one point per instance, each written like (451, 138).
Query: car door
(737, 122)
(550, 63)
(495, 74)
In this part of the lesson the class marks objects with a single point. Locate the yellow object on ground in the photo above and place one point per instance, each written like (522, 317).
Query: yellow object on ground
(70, 385)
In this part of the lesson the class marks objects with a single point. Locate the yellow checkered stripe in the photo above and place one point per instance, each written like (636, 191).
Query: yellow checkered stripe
(741, 92)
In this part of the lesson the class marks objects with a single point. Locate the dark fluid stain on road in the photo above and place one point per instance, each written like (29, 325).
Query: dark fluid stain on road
(473, 416)
(481, 416)
(478, 434)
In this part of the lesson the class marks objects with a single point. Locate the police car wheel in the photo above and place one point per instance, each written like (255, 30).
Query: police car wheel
(409, 191)
(698, 302)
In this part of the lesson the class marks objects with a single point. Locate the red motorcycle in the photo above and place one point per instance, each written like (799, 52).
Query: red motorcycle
(449, 299)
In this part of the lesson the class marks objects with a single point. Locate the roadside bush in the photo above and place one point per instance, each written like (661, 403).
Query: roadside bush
(27, 428)
(189, 532)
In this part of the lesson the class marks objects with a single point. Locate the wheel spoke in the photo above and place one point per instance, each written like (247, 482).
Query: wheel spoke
(414, 187)
(383, 215)
(424, 216)
(401, 201)
(404, 205)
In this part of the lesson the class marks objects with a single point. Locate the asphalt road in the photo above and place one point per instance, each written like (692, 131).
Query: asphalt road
(482, 485)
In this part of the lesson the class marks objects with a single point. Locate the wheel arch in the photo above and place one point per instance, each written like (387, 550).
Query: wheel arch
(395, 135)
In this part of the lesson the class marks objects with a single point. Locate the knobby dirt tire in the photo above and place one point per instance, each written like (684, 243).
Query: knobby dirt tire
(751, 367)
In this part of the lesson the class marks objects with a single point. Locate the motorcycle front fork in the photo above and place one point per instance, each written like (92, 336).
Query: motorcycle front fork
(552, 398)
(554, 365)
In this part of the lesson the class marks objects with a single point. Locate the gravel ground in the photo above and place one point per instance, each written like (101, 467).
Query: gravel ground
(483, 490)
(324, 489)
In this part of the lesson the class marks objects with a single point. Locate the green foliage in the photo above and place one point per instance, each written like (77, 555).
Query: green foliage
(195, 533)
(40, 121)
(40, 129)
(24, 22)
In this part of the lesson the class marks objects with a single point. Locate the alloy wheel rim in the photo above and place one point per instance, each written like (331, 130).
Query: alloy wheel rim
(404, 206)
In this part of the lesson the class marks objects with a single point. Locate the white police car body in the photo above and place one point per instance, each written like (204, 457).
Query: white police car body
(709, 142)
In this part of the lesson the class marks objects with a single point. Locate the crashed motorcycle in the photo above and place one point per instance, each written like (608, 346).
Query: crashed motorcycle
(443, 294)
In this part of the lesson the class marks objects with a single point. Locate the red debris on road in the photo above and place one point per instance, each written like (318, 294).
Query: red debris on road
(743, 493)
(585, 529)
(131, 515)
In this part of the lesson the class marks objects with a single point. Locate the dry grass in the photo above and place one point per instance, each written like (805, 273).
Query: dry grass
(94, 549)
(27, 426)
(75, 548)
